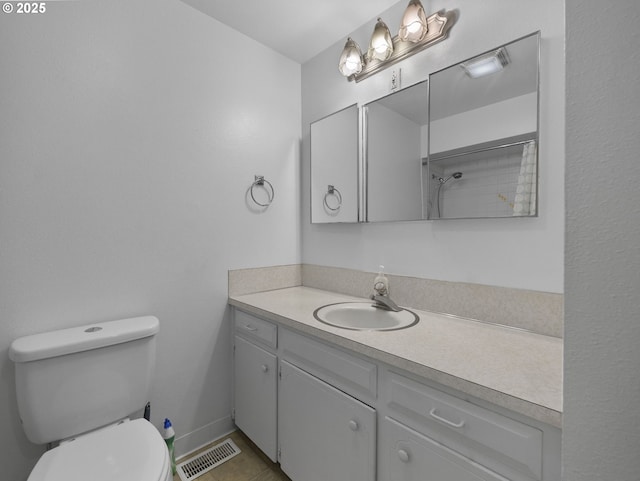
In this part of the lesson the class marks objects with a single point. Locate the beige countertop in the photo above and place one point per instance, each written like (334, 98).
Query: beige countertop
(512, 368)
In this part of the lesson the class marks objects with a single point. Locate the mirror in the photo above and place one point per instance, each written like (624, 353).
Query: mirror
(483, 135)
(334, 167)
(396, 128)
(452, 147)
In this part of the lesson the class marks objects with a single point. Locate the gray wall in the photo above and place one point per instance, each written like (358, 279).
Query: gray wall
(129, 134)
(519, 253)
(602, 288)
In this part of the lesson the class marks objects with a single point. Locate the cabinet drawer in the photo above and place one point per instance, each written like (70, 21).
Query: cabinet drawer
(501, 443)
(255, 328)
(348, 373)
(408, 456)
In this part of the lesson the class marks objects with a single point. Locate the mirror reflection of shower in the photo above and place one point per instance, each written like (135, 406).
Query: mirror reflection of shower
(441, 182)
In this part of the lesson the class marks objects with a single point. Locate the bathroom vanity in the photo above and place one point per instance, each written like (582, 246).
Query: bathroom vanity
(459, 399)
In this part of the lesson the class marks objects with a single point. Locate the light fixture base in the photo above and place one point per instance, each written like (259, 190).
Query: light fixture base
(439, 24)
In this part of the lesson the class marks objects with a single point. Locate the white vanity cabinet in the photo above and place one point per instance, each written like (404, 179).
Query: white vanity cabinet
(324, 433)
(326, 413)
(256, 381)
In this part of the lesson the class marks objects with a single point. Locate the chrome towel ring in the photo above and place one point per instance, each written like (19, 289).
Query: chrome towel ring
(261, 181)
(332, 191)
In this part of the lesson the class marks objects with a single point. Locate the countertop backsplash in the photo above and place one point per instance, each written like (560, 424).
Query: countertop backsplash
(539, 312)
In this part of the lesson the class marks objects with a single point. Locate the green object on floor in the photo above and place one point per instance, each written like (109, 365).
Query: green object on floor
(169, 438)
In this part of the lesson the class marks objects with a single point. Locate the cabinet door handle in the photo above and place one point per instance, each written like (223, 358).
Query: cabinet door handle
(353, 425)
(403, 455)
(264, 368)
(249, 327)
(434, 415)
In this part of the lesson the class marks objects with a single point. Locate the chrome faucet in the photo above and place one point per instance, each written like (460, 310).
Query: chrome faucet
(381, 297)
(384, 302)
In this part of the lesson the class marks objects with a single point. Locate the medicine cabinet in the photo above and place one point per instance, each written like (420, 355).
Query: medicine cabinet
(395, 129)
(461, 144)
(334, 167)
(483, 135)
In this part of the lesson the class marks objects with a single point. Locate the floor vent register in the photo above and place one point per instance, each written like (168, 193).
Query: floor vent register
(207, 460)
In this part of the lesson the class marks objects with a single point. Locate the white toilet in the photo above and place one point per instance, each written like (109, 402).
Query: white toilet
(77, 387)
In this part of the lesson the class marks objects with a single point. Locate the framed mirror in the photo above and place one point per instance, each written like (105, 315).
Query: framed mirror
(334, 167)
(396, 130)
(483, 135)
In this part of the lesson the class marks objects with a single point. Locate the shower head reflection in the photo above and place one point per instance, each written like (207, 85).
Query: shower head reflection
(455, 175)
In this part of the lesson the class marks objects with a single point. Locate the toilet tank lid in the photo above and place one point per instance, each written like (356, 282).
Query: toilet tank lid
(82, 338)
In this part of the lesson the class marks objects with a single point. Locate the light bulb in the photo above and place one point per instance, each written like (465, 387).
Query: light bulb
(351, 59)
(414, 23)
(414, 27)
(381, 45)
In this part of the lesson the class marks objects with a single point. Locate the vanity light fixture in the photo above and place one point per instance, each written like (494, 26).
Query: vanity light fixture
(381, 45)
(414, 23)
(351, 60)
(417, 32)
(487, 64)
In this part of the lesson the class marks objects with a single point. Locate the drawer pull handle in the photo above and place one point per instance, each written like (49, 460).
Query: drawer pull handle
(434, 415)
(249, 327)
(403, 455)
(264, 368)
(353, 425)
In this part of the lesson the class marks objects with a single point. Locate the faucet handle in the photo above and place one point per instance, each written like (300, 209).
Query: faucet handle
(381, 283)
(381, 288)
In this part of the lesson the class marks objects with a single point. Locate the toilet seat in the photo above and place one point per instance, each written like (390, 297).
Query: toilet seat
(131, 451)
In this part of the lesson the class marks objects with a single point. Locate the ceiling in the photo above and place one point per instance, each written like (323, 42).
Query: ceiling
(457, 92)
(298, 29)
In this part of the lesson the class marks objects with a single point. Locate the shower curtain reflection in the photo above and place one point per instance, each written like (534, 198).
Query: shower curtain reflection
(524, 203)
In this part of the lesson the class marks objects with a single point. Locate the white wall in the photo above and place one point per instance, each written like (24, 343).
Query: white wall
(520, 253)
(601, 436)
(514, 116)
(129, 134)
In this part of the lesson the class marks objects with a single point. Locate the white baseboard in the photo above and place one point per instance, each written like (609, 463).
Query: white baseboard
(190, 442)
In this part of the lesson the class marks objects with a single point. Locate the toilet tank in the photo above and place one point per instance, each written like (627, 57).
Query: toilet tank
(74, 380)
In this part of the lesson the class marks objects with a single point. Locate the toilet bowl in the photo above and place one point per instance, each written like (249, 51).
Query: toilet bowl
(130, 451)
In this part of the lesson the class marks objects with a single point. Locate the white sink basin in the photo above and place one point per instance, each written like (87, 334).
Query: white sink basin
(363, 316)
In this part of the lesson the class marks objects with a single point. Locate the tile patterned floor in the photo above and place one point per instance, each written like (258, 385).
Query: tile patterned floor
(250, 465)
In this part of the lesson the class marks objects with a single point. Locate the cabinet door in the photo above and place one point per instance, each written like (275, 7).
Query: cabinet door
(256, 395)
(407, 455)
(324, 434)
